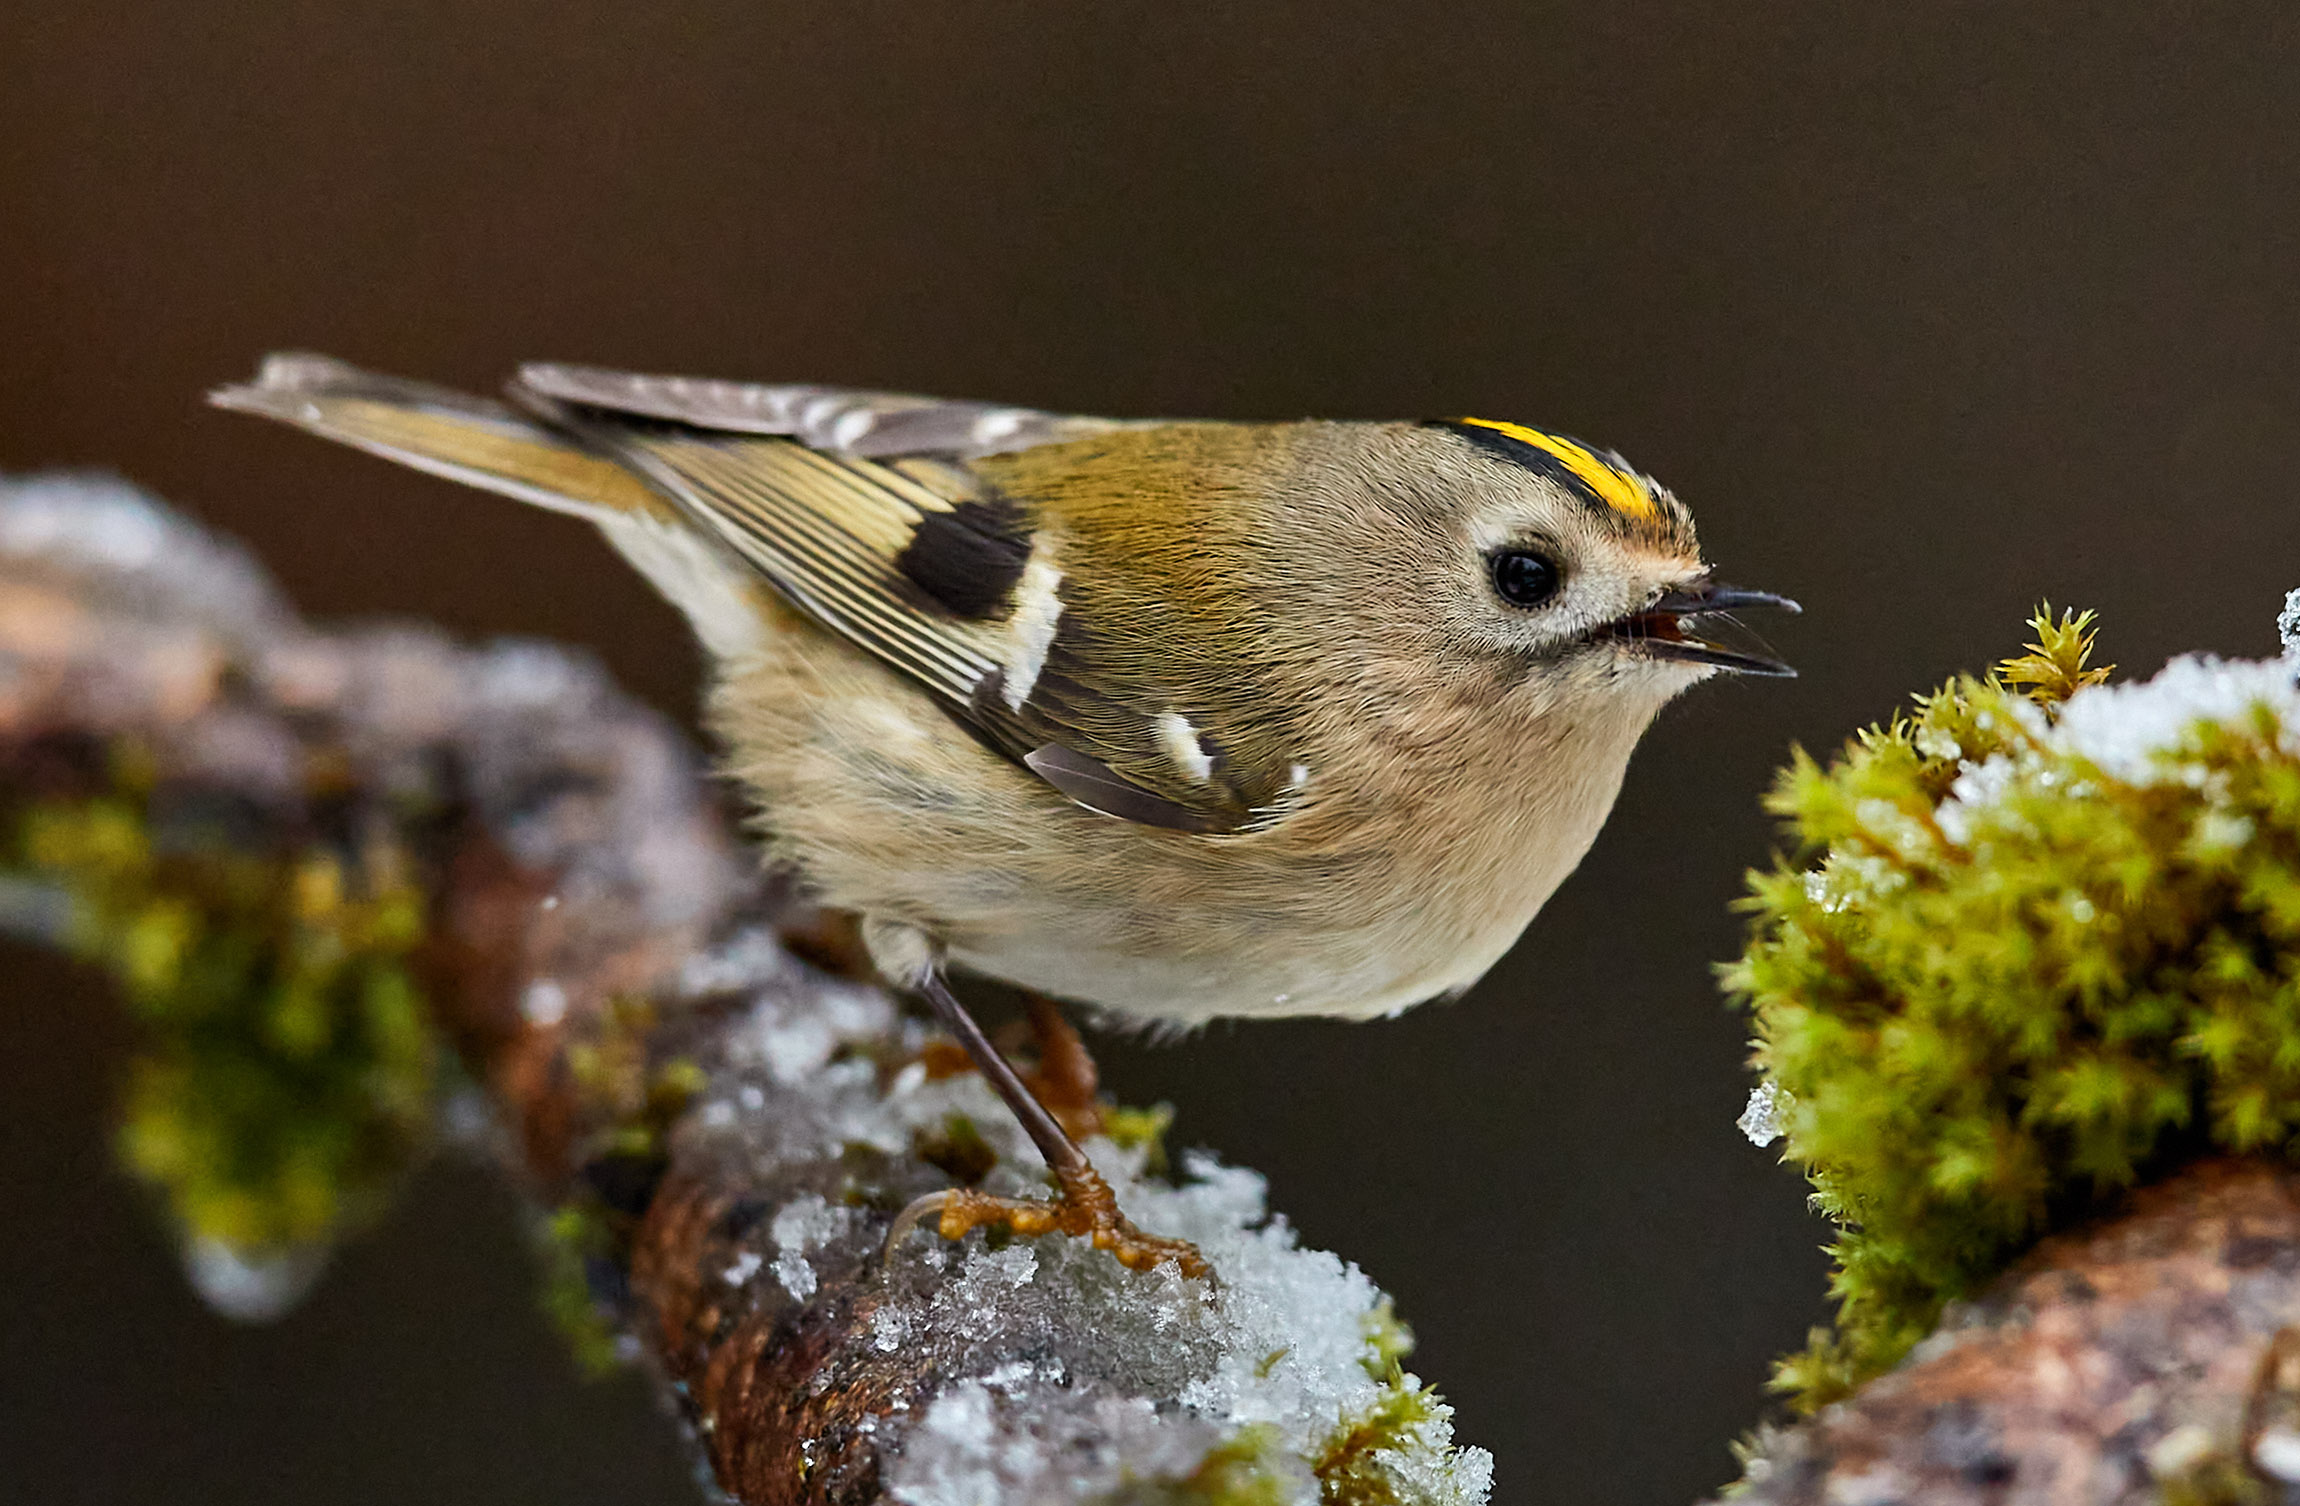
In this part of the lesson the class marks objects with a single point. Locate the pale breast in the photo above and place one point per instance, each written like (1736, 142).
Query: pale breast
(1363, 904)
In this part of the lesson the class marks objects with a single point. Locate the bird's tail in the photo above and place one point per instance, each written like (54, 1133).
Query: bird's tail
(467, 439)
(490, 445)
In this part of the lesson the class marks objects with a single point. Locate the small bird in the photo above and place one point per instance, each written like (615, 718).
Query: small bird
(1176, 720)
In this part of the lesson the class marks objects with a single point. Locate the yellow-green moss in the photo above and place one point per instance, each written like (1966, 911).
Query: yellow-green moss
(575, 1240)
(1357, 1466)
(1982, 1031)
(1143, 1130)
(287, 1069)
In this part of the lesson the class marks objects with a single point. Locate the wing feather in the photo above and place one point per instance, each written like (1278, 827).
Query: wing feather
(804, 485)
(834, 420)
(895, 521)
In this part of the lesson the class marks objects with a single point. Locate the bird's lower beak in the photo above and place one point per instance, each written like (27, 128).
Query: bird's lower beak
(1659, 631)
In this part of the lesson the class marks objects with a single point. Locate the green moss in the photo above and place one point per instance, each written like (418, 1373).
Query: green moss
(288, 1068)
(575, 1239)
(1250, 1469)
(1356, 1467)
(957, 1149)
(1986, 1027)
(1241, 1472)
(1388, 1340)
(2219, 1481)
(1143, 1130)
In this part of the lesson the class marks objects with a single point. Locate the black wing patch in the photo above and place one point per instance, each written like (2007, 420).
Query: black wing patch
(968, 560)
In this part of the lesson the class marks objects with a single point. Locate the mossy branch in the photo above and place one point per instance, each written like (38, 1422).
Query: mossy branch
(2034, 946)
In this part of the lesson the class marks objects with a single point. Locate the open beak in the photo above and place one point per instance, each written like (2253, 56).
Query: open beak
(1659, 631)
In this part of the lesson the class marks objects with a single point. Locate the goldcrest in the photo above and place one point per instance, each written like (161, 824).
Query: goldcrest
(1175, 719)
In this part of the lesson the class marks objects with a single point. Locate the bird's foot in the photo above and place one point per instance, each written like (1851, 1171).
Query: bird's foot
(1086, 1209)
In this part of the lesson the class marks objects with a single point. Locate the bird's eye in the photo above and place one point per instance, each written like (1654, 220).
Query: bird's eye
(1525, 579)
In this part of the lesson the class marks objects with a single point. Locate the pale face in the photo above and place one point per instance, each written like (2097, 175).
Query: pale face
(1540, 577)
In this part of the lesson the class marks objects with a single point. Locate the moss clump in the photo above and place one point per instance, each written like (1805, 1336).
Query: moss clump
(1360, 1463)
(1999, 981)
(1248, 1470)
(578, 1253)
(1141, 1130)
(288, 1067)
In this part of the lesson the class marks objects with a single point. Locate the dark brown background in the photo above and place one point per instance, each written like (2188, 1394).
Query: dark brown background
(1928, 311)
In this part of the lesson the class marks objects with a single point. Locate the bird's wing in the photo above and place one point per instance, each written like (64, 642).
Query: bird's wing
(834, 420)
(866, 511)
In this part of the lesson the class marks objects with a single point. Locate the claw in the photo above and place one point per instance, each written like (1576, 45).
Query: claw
(907, 1222)
(1086, 1209)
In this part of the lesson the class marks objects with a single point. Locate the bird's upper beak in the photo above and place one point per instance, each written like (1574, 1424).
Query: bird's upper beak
(1659, 630)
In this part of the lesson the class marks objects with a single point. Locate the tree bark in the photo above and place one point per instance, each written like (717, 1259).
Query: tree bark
(2153, 1355)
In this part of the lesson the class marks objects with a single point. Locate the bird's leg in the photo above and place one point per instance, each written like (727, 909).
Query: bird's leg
(1065, 1080)
(1085, 1207)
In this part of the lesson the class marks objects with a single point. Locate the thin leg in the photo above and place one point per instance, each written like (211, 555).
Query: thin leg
(1053, 1142)
(1086, 1207)
(1065, 1080)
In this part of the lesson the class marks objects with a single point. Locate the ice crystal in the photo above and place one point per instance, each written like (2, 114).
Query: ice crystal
(1763, 1121)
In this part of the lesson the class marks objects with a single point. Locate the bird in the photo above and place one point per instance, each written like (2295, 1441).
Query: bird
(1174, 720)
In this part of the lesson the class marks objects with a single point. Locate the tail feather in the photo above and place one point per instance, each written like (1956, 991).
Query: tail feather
(466, 439)
(489, 445)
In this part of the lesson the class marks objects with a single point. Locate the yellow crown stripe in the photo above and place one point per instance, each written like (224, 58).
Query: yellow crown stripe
(1624, 494)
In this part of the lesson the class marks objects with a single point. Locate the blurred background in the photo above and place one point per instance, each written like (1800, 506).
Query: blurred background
(1928, 311)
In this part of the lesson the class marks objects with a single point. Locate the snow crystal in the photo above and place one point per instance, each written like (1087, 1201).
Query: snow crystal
(2126, 728)
(796, 1275)
(1976, 785)
(2288, 623)
(544, 1003)
(2277, 1452)
(1764, 1120)
(1937, 742)
(751, 959)
(742, 1268)
(103, 531)
(1044, 1446)
(2127, 731)
(805, 1223)
(1280, 1344)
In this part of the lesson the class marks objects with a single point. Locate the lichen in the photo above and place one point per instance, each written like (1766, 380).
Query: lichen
(2038, 939)
(285, 1077)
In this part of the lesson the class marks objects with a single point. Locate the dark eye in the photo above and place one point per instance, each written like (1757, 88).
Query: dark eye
(1523, 578)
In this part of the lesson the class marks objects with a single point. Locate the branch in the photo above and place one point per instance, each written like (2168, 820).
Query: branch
(272, 834)
(2151, 1357)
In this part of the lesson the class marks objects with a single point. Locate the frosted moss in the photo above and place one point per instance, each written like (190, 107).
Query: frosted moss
(2040, 939)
